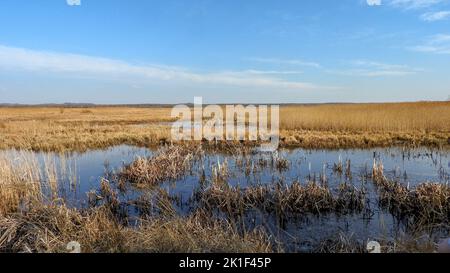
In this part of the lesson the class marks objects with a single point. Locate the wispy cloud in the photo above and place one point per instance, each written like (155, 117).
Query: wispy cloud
(269, 72)
(406, 4)
(435, 16)
(290, 62)
(433, 8)
(373, 2)
(414, 4)
(32, 60)
(438, 44)
(364, 68)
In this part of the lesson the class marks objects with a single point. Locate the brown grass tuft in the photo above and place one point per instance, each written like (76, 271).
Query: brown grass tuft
(426, 202)
(169, 164)
(51, 228)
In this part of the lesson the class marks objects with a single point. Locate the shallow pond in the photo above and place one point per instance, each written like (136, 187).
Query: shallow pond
(80, 173)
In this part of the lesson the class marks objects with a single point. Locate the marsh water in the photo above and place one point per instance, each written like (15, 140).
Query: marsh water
(81, 173)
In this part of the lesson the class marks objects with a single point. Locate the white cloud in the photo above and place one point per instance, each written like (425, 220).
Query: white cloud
(431, 6)
(438, 44)
(291, 62)
(414, 4)
(435, 16)
(374, 2)
(42, 61)
(364, 68)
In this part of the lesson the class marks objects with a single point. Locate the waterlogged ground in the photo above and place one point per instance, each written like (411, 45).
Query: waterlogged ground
(81, 173)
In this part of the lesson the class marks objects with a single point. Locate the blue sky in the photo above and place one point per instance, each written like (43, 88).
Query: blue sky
(148, 51)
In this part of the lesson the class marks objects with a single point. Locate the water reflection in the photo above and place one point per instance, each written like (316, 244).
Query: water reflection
(80, 173)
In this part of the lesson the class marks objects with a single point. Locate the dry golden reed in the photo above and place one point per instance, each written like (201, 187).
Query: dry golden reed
(59, 129)
(50, 228)
(427, 202)
(383, 117)
(366, 125)
(169, 164)
(308, 126)
(284, 199)
(20, 182)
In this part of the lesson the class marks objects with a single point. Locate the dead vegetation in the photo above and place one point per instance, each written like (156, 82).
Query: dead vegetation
(20, 183)
(169, 164)
(283, 199)
(34, 219)
(50, 228)
(426, 202)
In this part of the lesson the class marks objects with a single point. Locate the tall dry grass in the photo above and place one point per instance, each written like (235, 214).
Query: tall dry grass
(58, 129)
(426, 202)
(366, 125)
(385, 117)
(308, 126)
(34, 219)
(50, 228)
(169, 164)
(20, 183)
(24, 180)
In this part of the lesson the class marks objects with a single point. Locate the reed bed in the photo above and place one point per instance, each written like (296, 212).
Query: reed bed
(426, 202)
(307, 126)
(200, 233)
(283, 199)
(169, 164)
(80, 129)
(20, 182)
(51, 228)
(366, 125)
(31, 221)
(375, 117)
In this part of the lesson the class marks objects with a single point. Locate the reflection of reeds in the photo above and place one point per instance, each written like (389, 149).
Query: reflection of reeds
(340, 243)
(347, 243)
(155, 202)
(338, 167)
(219, 173)
(281, 164)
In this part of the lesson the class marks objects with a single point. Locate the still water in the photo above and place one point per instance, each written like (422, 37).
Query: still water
(80, 173)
